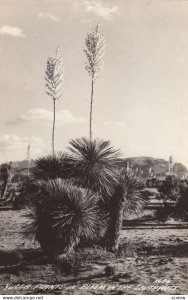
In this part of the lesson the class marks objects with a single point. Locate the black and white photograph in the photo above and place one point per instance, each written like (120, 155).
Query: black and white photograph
(93, 148)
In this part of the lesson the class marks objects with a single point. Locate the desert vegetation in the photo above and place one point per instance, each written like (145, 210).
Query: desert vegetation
(85, 192)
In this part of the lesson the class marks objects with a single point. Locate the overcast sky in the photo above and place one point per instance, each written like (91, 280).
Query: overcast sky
(141, 97)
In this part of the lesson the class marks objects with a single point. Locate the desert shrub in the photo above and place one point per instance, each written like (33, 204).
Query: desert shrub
(84, 259)
(152, 182)
(182, 206)
(126, 249)
(19, 178)
(158, 196)
(95, 254)
(70, 263)
(164, 213)
(109, 270)
(26, 194)
(169, 188)
(180, 210)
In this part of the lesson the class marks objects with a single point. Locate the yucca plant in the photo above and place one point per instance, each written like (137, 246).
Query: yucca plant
(127, 198)
(66, 216)
(52, 166)
(94, 164)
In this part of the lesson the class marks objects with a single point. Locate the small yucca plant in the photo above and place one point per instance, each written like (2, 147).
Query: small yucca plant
(66, 216)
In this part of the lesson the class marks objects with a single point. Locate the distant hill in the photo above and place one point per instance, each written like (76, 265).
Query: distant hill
(141, 163)
(159, 166)
(23, 164)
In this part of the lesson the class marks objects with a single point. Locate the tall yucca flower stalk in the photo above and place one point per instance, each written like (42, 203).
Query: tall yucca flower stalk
(54, 83)
(94, 52)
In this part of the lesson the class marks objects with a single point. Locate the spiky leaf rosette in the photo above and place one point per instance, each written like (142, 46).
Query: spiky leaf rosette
(52, 166)
(94, 164)
(66, 216)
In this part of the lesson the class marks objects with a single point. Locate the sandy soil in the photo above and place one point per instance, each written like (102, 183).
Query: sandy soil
(154, 262)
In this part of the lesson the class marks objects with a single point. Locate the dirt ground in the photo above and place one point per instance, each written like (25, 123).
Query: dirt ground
(155, 261)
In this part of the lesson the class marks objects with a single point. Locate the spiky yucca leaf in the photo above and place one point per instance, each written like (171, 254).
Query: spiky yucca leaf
(66, 215)
(94, 164)
(51, 166)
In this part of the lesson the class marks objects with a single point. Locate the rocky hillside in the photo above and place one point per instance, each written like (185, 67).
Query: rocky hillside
(158, 166)
(21, 165)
